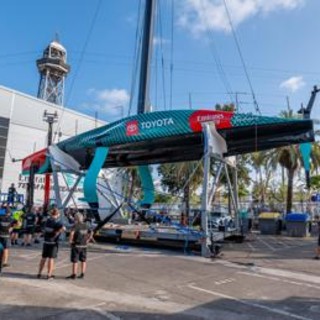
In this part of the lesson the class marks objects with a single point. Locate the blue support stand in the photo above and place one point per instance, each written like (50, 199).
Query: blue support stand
(90, 181)
(147, 187)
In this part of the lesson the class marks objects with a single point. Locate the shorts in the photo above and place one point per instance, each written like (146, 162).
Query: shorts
(29, 230)
(38, 229)
(78, 254)
(16, 231)
(4, 242)
(319, 241)
(50, 251)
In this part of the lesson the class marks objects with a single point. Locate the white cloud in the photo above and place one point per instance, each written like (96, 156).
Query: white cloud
(111, 102)
(159, 41)
(200, 15)
(293, 84)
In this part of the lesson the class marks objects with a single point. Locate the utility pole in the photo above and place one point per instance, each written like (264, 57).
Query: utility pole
(50, 118)
(237, 102)
(288, 104)
(237, 93)
(190, 101)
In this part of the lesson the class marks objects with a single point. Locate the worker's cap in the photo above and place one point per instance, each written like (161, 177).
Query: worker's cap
(79, 217)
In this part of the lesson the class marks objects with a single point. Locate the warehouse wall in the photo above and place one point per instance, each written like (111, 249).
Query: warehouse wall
(27, 132)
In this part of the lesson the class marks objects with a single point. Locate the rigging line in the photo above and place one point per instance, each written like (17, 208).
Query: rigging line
(172, 51)
(93, 22)
(242, 58)
(156, 78)
(162, 57)
(216, 57)
(135, 60)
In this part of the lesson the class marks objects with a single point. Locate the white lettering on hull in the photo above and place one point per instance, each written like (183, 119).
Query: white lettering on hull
(157, 123)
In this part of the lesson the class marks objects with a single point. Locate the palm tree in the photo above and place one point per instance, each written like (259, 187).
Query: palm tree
(289, 158)
(265, 164)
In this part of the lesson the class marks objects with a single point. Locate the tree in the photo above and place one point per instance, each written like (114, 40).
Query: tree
(225, 107)
(315, 158)
(264, 163)
(163, 198)
(289, 158)
(132, 183)
(181, 178)
(243, 178)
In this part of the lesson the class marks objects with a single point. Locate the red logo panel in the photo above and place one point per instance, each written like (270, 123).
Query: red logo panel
(222, 119)
(132, 128)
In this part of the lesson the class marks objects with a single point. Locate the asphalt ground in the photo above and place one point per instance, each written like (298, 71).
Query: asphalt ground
(270, 277)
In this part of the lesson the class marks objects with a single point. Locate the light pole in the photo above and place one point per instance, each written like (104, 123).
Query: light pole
(50, 118)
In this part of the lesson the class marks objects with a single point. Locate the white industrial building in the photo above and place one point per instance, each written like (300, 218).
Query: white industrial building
(23, 131)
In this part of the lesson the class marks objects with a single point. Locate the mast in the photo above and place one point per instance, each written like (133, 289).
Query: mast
(146, 54)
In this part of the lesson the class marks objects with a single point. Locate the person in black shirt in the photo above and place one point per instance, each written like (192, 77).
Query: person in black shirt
(30, 221)
(52, 231)
(317, 219)
(80, 236)
(11, 194)
(5, 229)
(39, 225)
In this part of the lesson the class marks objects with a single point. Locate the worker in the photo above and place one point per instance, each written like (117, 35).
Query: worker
(12, 193)
(30, 221)
(5, 229)
(39, 225)
(317, 220)
(17, 224)
(80, 236)
(1, 256)
(53, 229)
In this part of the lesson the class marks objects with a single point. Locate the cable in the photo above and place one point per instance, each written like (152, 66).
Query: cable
(156, 79)
(217, 59)
(92, 25)
(242, 58)
(162, 58)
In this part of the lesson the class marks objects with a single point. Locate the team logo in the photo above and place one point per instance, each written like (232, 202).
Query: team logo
(222, 119)
(132, 128)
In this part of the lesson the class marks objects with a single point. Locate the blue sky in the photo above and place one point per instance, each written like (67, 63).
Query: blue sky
(279, 41)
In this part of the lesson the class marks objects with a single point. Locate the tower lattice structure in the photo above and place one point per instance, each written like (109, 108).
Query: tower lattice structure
(53, 69)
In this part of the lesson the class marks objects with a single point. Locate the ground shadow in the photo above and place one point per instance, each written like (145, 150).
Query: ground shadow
(220, 309)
